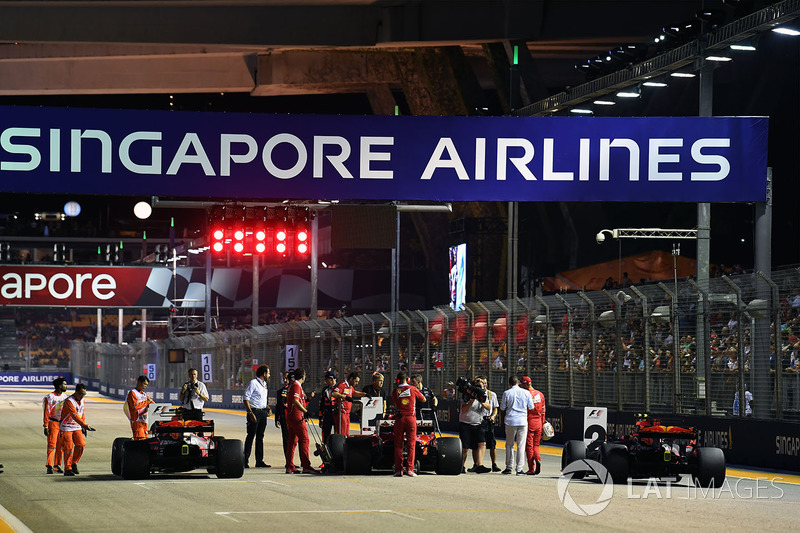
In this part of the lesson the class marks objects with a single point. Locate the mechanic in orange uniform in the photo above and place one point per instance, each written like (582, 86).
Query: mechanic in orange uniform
(344, 394)
(51, 408)
(136, 405)
(296, 415)
(73, 424)
(405, 398)
(535, 422)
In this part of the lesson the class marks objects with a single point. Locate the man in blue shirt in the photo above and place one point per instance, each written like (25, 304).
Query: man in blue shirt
(255, 401)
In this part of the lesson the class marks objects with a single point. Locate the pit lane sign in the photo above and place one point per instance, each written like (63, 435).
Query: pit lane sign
(231, 155)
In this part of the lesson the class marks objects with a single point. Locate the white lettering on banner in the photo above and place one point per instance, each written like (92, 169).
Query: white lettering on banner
(787, 445)
(154, 167)
(216, 398)
(515, 155)
(237, 398)
(22, 149)
(60, 285)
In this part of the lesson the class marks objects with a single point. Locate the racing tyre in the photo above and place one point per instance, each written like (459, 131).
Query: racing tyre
(212, 468)
(116, 455)
(135, 459)
(710, 468)
(574, 450)
(230, 458)
(357, 455)
(615, 459)
(336, 448)
(448, 456)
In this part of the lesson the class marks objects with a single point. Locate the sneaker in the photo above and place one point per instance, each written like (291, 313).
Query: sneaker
(495, 468)
(472, 469)
(58, 469)
(520, 472)
(69, 473)
(530, 473)
(292, 470)
(262, 464)
(75, 469)
(538, 468)
(398, 474)
(49, 469)
(507, 471)
(411, 473)
(480, 469)
(310, 470)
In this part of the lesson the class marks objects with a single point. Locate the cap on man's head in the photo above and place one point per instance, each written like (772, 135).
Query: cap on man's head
(525, 380)
(330, 374)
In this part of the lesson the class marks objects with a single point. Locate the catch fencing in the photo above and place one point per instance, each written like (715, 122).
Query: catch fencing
(660, 348)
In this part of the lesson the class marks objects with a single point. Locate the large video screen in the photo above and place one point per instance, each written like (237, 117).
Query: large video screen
(458, 276)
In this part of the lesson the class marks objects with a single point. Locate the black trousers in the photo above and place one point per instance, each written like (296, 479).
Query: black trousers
(284, 434)
(255, 430)
(327, 426)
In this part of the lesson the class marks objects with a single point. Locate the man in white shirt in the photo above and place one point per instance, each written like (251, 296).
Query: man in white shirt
(255, 402)
(194, 396)
(516, 402)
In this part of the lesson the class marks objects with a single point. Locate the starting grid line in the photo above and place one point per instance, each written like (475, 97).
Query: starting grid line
(398, 512)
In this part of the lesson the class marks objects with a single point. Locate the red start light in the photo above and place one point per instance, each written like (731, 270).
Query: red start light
(281, 247)
(302, 248)
(218, 234)
(260, 247)
(238, 235)
(302, 235)
(261, 235)
(281, 235)
(217, 246)
(239, 247)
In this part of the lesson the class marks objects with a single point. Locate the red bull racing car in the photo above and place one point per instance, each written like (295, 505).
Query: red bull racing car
(178, 445)
(651, 450)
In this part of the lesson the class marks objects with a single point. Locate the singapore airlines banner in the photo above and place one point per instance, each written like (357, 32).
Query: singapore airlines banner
(338, 157)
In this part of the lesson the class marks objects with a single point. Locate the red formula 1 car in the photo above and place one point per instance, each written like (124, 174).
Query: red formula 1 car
(360, 454)
(177, 445)
(652, 450)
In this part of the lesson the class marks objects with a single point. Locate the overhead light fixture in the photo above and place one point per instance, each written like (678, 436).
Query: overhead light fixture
(745, 46)
(786, 30)
(581, 111)
(630, 92)
(719, 58)
(683, 74)
(653, 83)
(604, 102)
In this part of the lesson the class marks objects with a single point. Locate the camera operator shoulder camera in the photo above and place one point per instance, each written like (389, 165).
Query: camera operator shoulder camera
(470, 390)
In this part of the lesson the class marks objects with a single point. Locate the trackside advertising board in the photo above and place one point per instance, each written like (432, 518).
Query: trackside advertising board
(338, 157)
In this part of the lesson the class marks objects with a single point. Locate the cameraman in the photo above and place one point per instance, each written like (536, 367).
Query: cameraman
(489, 420)
(472, 404)
(194, 396)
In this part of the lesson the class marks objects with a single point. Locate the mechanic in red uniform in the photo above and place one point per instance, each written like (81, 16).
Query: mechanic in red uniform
(296, 415)
(344, 394)
(405, 398)
(535, 422)
(51, 408)
(136, 405)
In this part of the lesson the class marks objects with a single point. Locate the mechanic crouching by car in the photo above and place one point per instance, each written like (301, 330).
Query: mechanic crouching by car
(296, 416)
(194, 396)
(405, 398)
(472, 405)
(136, 406)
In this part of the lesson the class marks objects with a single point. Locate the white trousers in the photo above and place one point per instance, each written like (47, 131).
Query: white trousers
(518, 435)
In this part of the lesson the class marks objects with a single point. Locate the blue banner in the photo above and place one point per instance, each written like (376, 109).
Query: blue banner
(32, 378)
(333, 157)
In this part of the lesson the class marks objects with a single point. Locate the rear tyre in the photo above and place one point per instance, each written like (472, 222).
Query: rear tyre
(116, 455)
(710, 468)
(212, 468)
(615, 459)
(574, 450)
(358, 455)
(448, 456)
(230, 458)
(135, 459)
(336, 447)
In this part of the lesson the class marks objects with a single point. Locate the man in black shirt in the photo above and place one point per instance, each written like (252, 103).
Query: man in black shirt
(375, 389)
(431, 401)
(280, 409)
(327, 406)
